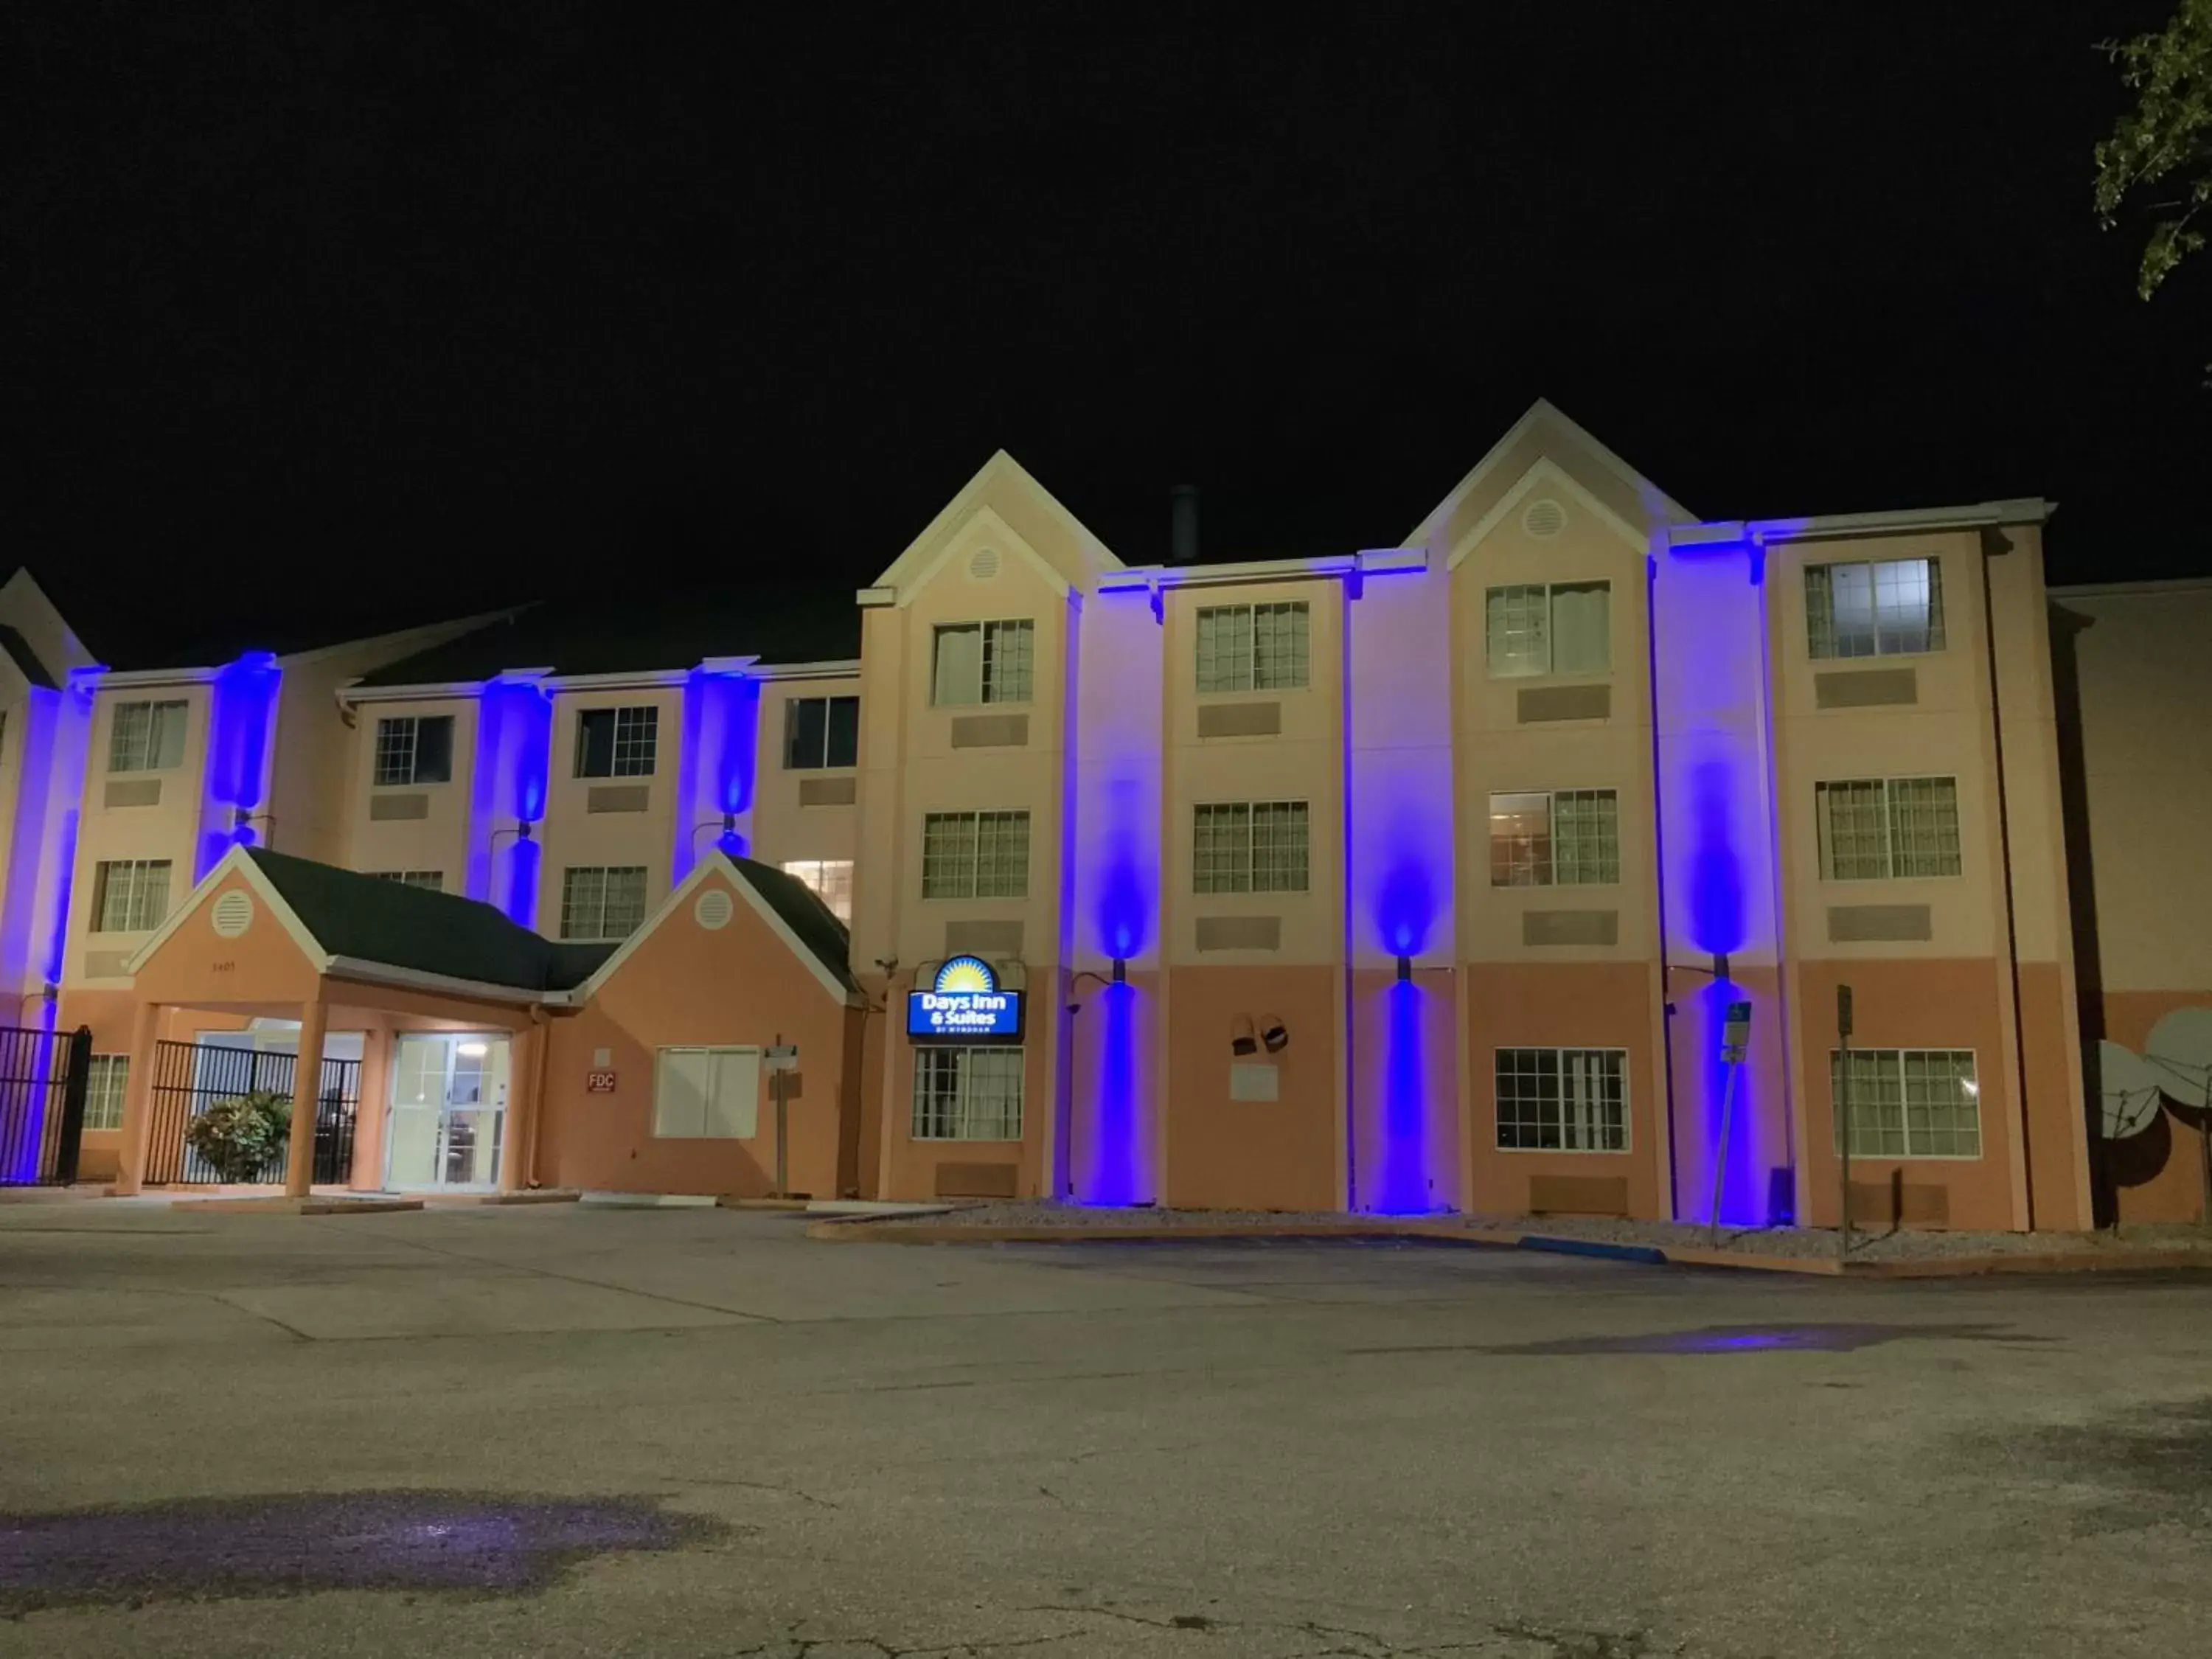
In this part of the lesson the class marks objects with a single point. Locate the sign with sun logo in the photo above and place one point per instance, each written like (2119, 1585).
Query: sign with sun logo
(964, 1003)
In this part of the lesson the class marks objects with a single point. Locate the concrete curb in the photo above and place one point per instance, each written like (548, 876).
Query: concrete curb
(281, 1206)
(727, 1202)
(862, 1230)
(469, 1200)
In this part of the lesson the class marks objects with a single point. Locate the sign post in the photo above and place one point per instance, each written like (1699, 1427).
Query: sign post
(1844, 1112)
(1735, 1043)
(782, 1061)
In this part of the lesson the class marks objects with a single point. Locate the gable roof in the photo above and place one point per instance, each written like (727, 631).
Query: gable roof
(794, 911)
(26, 659)
(1002, 486)
(1544, 413)
(357, 924)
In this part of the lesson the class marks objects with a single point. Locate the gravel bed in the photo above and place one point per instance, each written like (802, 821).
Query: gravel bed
(1867, 1245)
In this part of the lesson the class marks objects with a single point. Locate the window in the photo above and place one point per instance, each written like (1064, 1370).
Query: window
(1565, 627)
(983, 662)
(146, 736)
(1563, 1100)
(602, 900)
(1873, 829)
(1249, 847)
(433, 880)
(1875, 609)
(706, 1094)
(819, 732)
(975, 855)
(967, 1094)
(617, 743)
(130, 895)
(832, 879)
(1909, 1103)
(107, 1081)
(414, 749)
(1253, 648)
(1563, 838)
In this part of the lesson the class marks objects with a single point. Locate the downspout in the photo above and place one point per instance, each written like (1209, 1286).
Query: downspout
(2004, 851)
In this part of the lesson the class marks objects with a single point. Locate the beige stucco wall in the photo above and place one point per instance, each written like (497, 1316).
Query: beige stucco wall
(783, 829)
(438, 841)
(573, 836)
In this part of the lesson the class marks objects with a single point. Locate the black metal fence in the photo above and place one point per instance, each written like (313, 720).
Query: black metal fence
(42, 1086)
(191, 1077)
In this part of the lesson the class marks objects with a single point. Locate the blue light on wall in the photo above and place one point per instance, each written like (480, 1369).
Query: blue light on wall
(514, 743)
(721, 759)
(1401, 1186)
(241, 719)
(1113, 1176)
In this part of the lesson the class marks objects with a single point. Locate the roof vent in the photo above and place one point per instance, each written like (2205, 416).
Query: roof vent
(1544, 520)
(713, 910)
(984, 563)
(233, 913)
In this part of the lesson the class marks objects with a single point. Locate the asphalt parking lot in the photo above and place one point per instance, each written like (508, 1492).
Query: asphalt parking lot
(566, 1431)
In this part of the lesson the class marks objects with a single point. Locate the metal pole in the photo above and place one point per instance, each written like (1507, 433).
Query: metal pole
(1720, 1159)
(782, 1166)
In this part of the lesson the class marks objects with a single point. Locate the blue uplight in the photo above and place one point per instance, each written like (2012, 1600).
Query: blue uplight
(1402, 1188)
(514, 744)
(722, 749)
(1112, 1177)
(241, 717)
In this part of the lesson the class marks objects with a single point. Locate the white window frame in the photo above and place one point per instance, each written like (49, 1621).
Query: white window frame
(1251, 846)
(1824, 827)
(1548, 872)
(1822, 641)
(706, 1092)
(980, 1105)
(1902, 1083)
(106, 1090)
(949, 871)
(135, 747)
(1593, 1123)
(579, 910)
(432, 881)
(1005, 663)
(633, 751)
(1539, 662)
(1262, 647)
(399, 735)
(829, 879)
(141, 897)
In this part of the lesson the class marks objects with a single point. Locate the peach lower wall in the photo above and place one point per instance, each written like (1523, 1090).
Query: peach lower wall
(1580, 1004)
(1283, 1154)
(2059, 1125)
(1405, 1092)
(1912, 1005)
(909, 1166)
(2157, 1175)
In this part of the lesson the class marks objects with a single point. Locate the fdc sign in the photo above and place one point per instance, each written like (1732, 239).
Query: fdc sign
(964, 1003)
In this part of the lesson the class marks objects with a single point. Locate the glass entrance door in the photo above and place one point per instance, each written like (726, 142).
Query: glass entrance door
(448, 1110)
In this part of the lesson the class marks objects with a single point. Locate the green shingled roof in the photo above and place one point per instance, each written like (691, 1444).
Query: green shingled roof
(802, 912)
(351, 914)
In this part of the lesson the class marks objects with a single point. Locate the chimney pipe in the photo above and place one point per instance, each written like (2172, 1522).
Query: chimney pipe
(1182, 544)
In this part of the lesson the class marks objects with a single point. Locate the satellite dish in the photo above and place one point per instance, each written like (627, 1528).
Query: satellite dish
(2180, 1052)
(2130, 1086)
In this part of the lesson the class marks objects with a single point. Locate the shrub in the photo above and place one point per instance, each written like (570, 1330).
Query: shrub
(238, 1136)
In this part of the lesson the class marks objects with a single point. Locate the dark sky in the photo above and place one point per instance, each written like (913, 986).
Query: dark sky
(412, 308)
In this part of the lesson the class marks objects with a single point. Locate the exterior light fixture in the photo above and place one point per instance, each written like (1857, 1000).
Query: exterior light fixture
(1405, 968)
(1275, 1034)
(1121, 970)
(1242, 1044)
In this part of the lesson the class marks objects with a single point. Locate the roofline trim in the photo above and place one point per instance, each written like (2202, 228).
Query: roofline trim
(389, 973)
(1845, 526)
(656, 678)
(2130, 590)
(1370, 561)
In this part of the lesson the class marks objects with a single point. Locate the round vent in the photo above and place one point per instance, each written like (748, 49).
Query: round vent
(713, 910)
(1544, 520)
(233, 913)
(984, 563)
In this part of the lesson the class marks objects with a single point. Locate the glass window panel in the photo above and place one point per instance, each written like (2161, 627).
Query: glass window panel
(1281, 646)
(1851, 603)
(842, 743)
(595, 743)
(959, 670)
(1586, 837)
(1853, 819)
(1518, 625)
(1224, 648)
(1581, 628)
(1007, 661)
(1924, 817)
(967, 1094)
(1520, 841)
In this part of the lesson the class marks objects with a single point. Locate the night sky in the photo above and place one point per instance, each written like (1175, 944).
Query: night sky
(405, 310)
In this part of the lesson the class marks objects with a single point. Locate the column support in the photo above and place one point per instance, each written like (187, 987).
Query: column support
(138, 1099)
(307, 1093)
